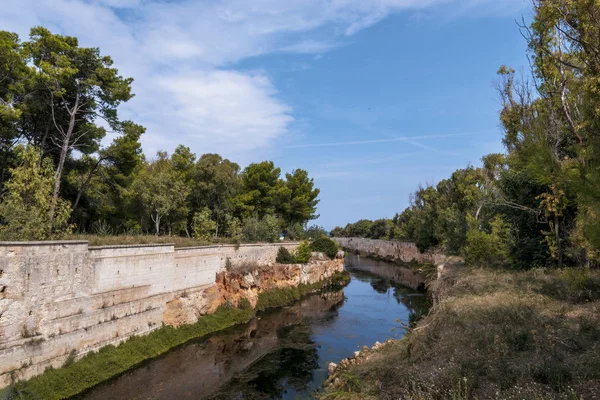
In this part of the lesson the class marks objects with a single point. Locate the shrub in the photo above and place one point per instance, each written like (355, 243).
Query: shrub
(204, 227)
(303, 252)
(488, 249)
(27, 199)
(295, 232)
(285, 257)
(325, 245)
(261, 230)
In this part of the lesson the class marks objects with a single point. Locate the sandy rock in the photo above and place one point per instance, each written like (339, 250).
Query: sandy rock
(331, 368)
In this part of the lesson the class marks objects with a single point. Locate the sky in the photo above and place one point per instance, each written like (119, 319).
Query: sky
(372, 97)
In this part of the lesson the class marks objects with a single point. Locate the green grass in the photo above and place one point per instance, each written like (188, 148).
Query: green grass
(111, 361)
(280, 297)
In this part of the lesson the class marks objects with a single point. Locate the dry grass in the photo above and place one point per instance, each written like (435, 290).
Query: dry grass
(112, 240)
(492, 335)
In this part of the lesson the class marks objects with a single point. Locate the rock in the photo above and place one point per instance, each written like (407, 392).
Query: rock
(340, 254)
(331, 368)
(377, 345)
(356, 353)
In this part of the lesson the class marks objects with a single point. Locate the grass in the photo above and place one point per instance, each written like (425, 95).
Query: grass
(491, 334)
(110, 361)
(113, 240)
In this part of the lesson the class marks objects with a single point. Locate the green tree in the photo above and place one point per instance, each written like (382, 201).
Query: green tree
(215, 183)
(162, 191)
(266, 229)
(79, 85)
(13, 70)
(261, 190)
(300, 203)
(488, 248)
(25, 206)
(204, 227)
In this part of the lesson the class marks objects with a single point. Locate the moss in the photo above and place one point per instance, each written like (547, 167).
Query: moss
(111, 361)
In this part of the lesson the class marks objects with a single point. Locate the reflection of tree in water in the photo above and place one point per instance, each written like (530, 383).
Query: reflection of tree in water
(291, 365)
(416, 303)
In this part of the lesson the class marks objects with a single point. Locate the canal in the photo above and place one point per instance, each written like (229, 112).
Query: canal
(281, 354)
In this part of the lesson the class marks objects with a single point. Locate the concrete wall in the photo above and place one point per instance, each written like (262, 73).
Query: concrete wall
(58, 297)
(401, 251)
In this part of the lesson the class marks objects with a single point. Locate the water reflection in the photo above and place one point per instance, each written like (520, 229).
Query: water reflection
(282, 354)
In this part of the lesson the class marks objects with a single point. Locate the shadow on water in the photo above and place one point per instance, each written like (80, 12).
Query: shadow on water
(281, 354)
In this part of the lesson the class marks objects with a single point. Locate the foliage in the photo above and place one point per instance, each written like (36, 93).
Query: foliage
(285, 257)
(303, 252)
(488, 249)
(204, 227)
(53, 92)
(266, 229)
(325, 245)
(25, 207)
(162, 192)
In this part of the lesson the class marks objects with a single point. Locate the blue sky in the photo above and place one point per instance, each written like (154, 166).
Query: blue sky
(372, 97)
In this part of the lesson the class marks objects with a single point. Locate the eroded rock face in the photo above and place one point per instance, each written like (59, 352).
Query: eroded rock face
(233, 286)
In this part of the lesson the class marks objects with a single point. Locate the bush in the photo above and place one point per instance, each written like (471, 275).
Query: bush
(295, 232)
(285, 257)
(488, 249)
(303, 252)
(325, 245)
(204, 227)
(261, 230)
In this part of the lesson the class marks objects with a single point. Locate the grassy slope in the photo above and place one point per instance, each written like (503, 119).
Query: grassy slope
(492, 334)
(111, 361)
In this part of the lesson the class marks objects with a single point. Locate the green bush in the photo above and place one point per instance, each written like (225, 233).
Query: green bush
(303, 252)
(285, 257)
(266, 229)
(325, 245)
(488, 249)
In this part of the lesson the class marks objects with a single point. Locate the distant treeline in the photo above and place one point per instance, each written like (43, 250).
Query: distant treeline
(58, 101)
(538, 204)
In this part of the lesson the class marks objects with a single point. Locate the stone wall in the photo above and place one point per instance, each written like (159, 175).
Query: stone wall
(399, 251)
(62, 297)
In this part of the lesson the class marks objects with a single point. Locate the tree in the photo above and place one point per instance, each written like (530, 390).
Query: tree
(79, 85)
(13, 70)
(261, 190)
(215, 183)
(124, 155)
(163, 192)
(266, 229)
(204, 226)
(24, 208)
(300, 203)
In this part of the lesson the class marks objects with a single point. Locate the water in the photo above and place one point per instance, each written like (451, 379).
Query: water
(282, 354)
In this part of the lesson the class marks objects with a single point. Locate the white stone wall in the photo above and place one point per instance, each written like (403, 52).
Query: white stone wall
(56, 297)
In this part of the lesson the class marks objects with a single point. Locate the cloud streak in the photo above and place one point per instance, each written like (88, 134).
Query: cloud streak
(407, 139)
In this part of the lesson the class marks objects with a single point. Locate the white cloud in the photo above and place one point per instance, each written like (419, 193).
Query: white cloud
(182, 55)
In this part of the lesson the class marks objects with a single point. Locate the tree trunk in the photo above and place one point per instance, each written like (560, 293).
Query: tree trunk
(85, 183)
(157, 223)
(63, 156)
(557, 238)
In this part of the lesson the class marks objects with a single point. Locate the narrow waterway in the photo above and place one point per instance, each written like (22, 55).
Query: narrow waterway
(283, 353)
